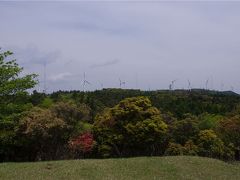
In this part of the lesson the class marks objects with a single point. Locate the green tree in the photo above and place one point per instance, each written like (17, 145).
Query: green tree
(175, 149)
(184, 130)
(13, 100)
(10, 82)
(76, 117)
(210, 144)
(190, 148)
(133, 127)
(43, 133)
(209, 121)
(229, 130)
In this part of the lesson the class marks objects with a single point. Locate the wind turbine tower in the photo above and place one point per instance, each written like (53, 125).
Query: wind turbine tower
(222, 86)
(189, 85)
(207, 84)
(85, 82)
(121, 83)
(171, 86)
(44, 77)
(101, 85)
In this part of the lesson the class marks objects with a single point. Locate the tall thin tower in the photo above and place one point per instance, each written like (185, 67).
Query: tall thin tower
(85, 82)
(44, 77)
(206, 84)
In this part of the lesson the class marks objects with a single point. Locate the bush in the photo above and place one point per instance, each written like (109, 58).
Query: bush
(184, 130)
(210, 145)
(209, 121)
(229, 131)
(82, 144)
(43, 133)
(190, 148)
(133, 127)
(175, 149)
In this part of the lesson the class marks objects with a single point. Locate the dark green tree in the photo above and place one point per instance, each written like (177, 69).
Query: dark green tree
(183, 130)
(13, 100)
(229, 131)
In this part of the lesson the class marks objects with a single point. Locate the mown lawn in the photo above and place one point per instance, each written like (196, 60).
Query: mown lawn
(130, 168)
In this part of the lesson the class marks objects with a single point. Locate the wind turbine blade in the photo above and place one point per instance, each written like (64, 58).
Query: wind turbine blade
(87, 82)
(83, 83)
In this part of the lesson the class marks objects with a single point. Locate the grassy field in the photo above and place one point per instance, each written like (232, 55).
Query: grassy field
(132, 168)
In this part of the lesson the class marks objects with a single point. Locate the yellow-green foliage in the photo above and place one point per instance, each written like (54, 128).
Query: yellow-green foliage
(133, 123)
(177, 149)
(40, 123)
(229, 130)
(209, 121)
(210, 144)
(174, 149)
(46, 103)
(190, 148)
(70, 112)
(48, 131)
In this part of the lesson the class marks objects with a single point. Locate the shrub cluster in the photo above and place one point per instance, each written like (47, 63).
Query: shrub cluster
(64, 130)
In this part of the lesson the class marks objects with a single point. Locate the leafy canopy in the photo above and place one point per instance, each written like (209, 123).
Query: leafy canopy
(13, 100)
(133, 123)
(10, 81)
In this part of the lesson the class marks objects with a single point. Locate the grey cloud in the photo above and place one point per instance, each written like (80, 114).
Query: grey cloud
(95, 26)
(60, 76)
(87, 26)
(32, 55)
(159, 41)
(107, 63)
(69, 62)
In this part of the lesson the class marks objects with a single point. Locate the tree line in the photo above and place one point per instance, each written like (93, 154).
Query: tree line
(113, 122)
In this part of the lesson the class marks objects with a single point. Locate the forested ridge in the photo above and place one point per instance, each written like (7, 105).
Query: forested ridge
(178, 102)
(113, 122)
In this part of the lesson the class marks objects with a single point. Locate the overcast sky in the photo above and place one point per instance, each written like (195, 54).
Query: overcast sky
(147, 45)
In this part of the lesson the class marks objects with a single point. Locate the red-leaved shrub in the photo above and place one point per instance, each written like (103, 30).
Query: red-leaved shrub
(82, 144)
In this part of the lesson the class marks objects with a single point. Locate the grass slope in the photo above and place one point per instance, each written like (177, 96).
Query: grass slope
(133, 168)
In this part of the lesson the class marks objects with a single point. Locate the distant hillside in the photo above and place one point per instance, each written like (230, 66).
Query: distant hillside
(177, 102)
(178, 167)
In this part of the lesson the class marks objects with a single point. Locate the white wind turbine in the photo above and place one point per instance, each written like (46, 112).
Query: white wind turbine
(101, 85)
(121, 83)
(171, 86)
(85, 82)
(206, 84)
(189, 85)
